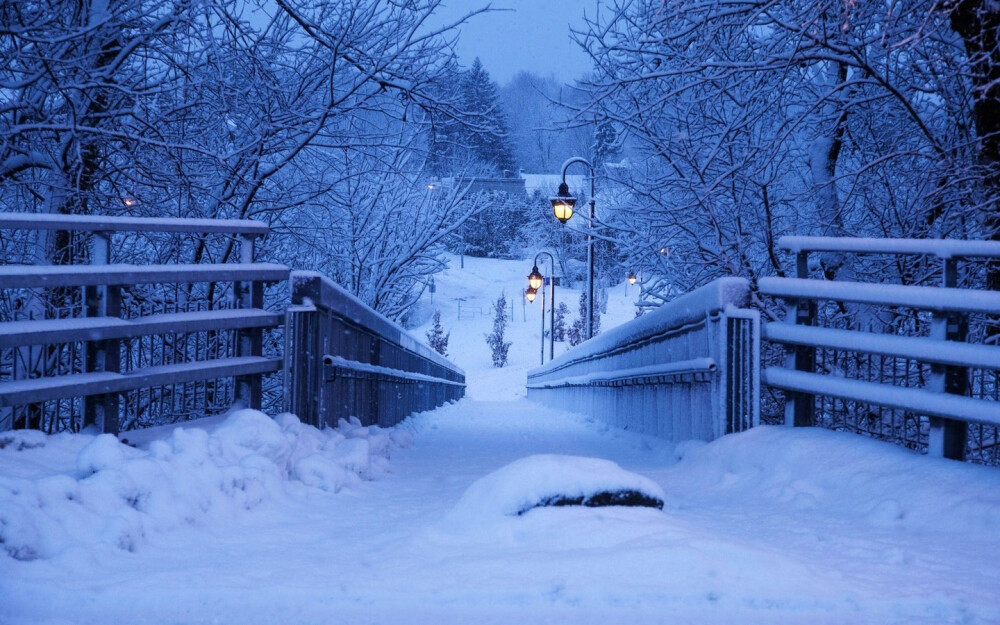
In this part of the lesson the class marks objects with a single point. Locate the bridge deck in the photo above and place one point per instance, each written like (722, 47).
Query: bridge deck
(774, 525)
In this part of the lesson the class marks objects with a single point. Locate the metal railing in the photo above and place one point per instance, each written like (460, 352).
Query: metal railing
(130, 344)
(687, 370)
(920, 381)
(343, 359)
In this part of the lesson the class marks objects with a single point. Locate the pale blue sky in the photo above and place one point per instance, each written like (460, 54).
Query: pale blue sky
(530, 35)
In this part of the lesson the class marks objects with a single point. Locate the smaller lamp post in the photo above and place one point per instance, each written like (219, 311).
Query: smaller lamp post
(537, 281)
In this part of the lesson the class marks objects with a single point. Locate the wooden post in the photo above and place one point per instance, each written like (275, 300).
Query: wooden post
(947, 437)
(102, 356)
(305, 379)
(799, 407)
(250, 340)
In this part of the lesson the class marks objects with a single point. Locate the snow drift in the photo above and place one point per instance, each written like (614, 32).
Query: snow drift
(69, 490)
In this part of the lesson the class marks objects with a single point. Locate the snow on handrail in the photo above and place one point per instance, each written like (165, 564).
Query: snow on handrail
(942, 248)
(101, 223)
(686, 309)
(339, 362)
(28, 276)
(322, 291)
(916, 348)
(919, 297)
(917, 400)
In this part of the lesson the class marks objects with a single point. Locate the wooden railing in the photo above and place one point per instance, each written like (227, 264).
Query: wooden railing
(913, 388)
(343, 359)
(686, 370)
(75, 370)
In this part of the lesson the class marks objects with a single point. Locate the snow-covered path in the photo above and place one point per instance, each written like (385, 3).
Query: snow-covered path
(242, 525)
(770, 526)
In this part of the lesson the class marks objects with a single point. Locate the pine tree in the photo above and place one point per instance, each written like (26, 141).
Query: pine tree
(436, 337)
(605, 142)
(559, 327)
(498, 346)
(486, 134)
(577, 332)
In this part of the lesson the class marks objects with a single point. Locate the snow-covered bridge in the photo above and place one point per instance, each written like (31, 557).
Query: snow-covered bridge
(257, 519)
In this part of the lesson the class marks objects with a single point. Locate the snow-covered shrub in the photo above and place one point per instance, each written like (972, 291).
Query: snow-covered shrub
(498, 346)
(436, 337)
(559, 327)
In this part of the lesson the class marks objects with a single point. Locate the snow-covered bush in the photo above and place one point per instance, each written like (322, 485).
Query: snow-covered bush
(496, 339)
(436, 337)
(559, 327)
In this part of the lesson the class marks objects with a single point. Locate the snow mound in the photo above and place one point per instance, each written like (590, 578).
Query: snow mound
(548, 479)
(86, 490)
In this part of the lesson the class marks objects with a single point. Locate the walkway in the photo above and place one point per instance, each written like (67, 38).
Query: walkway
(774, 526)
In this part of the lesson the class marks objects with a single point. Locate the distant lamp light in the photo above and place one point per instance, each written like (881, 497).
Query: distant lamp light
(128, 201)
(430, 187)
(530, 295)
(535, 279)
(563, 203)
(631, 278)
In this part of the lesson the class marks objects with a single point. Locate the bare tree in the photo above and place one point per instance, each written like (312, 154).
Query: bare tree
(756, 119)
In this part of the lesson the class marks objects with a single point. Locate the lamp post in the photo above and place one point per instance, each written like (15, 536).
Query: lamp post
(536, 281)
(562, 207)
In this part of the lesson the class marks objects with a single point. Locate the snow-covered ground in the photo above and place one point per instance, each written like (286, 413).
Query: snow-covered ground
(253, 520)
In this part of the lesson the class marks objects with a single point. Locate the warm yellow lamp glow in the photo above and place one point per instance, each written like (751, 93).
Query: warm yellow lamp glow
(535, 279)
(563, 203)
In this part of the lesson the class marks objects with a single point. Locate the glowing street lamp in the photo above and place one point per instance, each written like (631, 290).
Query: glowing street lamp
(562, 208)
(563, 202)
(631, 278)
(535, 279)
(536, 282)
(530, 295)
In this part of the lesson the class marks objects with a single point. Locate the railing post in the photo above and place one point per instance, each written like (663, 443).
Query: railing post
(947, 437)
(304, 375)
(799, 407)
(102, 356)
(249, 340)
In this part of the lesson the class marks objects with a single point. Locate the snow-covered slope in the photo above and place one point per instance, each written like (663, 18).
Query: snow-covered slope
(465, 297)
(256, 521)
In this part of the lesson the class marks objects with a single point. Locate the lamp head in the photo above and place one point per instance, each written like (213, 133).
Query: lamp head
(530, 295)
(631, 278)
(563, 203)
(535, 279)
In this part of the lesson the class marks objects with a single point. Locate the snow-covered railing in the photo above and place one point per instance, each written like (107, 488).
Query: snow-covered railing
(923, 378)
(689, 369)
(104, 365)
(345, 360)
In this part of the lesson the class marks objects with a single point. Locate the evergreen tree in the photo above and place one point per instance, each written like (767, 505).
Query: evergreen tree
(606, 144)
(559, 327)
(498, 346)
(577, 332)
(436, 336)
(496, 231)
(486, 134)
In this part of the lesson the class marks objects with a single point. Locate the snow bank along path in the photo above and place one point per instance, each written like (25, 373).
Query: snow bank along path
(278, 523)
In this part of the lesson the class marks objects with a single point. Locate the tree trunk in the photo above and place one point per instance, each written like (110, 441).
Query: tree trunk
(978, 23)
